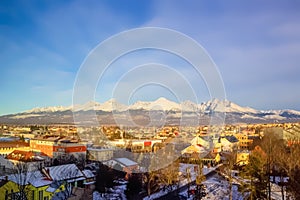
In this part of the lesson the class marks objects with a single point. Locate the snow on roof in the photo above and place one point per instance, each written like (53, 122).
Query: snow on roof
(35, 178)
(88, 173)
(201, 140)
(51, 189)
(6, 163)
(40, 182)
(193, 148)
(126, 162)
(63, 172)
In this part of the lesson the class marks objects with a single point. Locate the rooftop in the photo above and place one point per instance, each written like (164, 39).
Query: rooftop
(13, 144)
(26, 155)
(231, 138)
(63, 172)
(126, 162)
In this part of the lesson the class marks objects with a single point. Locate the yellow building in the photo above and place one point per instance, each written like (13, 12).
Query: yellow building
(30, 184)
(245, 142)
(242, 158)
(45, 184)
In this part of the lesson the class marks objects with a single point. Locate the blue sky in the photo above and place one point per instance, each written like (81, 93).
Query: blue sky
(255, 44)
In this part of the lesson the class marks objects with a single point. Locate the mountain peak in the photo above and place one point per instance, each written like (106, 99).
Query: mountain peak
(234, 111)
(112, 100)
(163, 100)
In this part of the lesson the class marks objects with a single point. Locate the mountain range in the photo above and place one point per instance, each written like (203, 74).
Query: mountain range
(142, 112)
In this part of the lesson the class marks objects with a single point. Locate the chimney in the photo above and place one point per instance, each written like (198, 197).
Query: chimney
(46, 173)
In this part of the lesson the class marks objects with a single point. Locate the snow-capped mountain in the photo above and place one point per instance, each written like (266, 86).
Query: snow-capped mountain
(111, 105)
(189, 106)
(49, 109)
(217, 105)
(159, 104)
(140, 110)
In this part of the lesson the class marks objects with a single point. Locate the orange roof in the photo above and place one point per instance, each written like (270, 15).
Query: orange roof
(25, 155)
(13, 144)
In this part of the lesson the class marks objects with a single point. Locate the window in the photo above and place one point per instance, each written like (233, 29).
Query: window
(32, 195)
(41, 195)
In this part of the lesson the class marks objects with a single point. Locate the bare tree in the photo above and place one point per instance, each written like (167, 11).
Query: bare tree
(21, 175)
(150, 179)
(228, 167)
(65, 182)
(288, 160)
(169, 176)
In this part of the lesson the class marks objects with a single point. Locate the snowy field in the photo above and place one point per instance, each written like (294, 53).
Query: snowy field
(216, 188)
(117, 193)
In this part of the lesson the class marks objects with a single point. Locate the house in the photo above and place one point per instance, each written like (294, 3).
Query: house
(202, 141)
(34, 159)
(229, 143)
(68, 172)
(90, 178)
(33, 184)
(50, 183)
(211, 159)
(126, 164)
(193, 153)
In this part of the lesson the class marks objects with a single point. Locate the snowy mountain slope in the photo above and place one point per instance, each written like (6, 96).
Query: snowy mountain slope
(111, 105)
(159, 104)
(49, 109)
(140, 110)
(217, 105)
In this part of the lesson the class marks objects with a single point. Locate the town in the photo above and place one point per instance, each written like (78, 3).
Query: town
(234, 161)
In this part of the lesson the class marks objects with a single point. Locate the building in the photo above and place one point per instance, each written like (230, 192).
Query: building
(242, 157)
(96, 154)
(229, 143)
(193, 153)
(32, 183)
(34, 159)
(211, 159)
(50, 183)
(137, 145)
(54, 146)
(245, 141)
(8, 147)
(126, 164)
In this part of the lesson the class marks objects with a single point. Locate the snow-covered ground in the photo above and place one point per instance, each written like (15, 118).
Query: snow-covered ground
(117, 193)
(216, 188)
(183, 169)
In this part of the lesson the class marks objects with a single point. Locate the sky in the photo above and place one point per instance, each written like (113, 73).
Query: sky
(254, 44)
